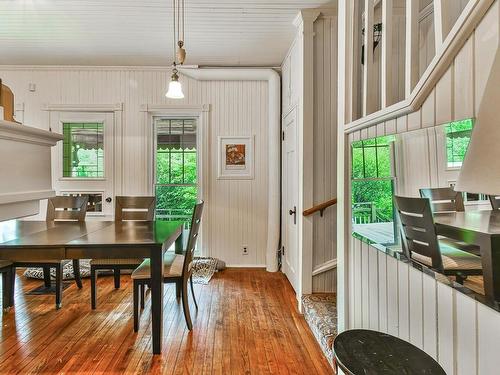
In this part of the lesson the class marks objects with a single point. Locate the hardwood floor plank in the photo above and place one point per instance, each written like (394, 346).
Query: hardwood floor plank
(247, 323)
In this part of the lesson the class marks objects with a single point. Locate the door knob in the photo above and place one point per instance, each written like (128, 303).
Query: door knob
(108, 199)
(294, 213)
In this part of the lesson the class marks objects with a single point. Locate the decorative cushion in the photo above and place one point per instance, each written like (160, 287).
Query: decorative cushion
(172, 267)
(37, 273)
(320, 312)
(453, 259)
(117, 262)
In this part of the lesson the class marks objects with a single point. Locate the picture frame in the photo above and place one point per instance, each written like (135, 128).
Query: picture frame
(235, 158)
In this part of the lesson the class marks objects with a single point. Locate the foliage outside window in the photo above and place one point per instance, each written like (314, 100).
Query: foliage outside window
(176, 168)
(372, 181)
(458, 136)
(83, 150)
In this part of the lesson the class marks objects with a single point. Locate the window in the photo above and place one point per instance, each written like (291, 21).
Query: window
(176, 168)
(458, 136)
(83, 150)
(373, 188)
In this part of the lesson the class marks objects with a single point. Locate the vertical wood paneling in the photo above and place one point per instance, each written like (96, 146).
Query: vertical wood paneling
(382, 291)
(446, 326)
(444, 98)
(429, 315)
(466, 335)
(463, 82)
(392, 297)
(488, 329)
(403, 301)
(416, 308)
(237, 210)
(373, 294)
(325, 149)
(365, 285)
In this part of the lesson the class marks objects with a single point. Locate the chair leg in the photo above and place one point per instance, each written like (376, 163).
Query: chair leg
(136, 306)
(192, 291)
(12, 285)
(46, 276)
(185, 305)
(59, 285)
(141, 291)
(178, 289)
(93, 287)
(76, 272)
(116, 274)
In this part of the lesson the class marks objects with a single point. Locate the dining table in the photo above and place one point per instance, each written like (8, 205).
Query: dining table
(35, 240)
(480, 228)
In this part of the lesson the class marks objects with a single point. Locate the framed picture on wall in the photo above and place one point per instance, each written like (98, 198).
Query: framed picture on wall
(235, 158)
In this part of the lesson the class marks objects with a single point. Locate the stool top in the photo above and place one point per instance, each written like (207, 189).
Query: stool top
(361, 351)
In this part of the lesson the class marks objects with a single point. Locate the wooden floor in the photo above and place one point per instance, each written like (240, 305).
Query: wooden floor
(247, 324)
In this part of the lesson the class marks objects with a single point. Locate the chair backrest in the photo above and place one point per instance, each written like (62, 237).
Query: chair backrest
(495, 201)
(417, 229)
(67, 208)
(444, 199)
(193, 237)
(135, 208)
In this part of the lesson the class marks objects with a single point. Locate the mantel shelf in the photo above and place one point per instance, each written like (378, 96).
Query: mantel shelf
(25, 168)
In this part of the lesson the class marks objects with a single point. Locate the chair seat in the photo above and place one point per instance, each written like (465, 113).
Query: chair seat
(115, 262)
(172, 267)
(453, 259)
(5, 263)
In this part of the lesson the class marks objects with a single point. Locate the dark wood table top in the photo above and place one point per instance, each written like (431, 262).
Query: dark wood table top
(361, 351)
(40, 234)
(481, 221)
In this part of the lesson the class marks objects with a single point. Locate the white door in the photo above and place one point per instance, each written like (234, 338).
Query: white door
(290, 260)
(83, 163)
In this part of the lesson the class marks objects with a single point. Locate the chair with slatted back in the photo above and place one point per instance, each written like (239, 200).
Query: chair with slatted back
(447, 200)
(126, 209)
(177, 269)
(420, 241)
(60, 208)
(495, 201)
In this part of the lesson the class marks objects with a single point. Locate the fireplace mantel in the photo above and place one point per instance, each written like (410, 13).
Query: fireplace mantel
(25, 168)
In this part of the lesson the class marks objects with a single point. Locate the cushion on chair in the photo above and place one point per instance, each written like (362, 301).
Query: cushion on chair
(115, 262)
(5, 263)
(172, 267)
(453, 259)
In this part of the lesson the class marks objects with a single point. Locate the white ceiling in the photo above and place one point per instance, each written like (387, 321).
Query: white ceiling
(135, 32)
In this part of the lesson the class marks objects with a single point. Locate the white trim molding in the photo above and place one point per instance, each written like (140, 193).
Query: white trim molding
(461, 31)
(21, 133)
(274, 140)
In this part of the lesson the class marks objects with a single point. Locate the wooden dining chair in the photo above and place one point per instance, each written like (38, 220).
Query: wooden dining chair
(420, 241)
(177, 269)
(126, 209)
(447, 200)
(495, 201)
(62, 208)
(444, 199)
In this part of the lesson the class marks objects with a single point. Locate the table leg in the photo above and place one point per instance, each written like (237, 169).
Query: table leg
(490, 257)
(157, 298)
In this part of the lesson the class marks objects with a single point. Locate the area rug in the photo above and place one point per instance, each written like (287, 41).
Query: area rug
(203, 270)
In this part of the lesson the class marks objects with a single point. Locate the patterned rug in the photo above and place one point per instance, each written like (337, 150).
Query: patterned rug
(203, 270)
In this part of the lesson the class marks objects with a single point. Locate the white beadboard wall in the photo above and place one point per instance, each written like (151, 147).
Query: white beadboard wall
(388, 295)
(325, 149)
(236, 212)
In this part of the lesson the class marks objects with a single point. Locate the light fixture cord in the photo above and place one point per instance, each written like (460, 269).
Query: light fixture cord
(174, 45)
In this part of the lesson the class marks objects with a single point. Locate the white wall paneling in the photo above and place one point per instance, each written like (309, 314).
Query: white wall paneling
(325, 149)
(461, 333)
(239, 209)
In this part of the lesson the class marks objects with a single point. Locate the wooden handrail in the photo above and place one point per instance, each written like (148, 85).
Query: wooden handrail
(320, 207)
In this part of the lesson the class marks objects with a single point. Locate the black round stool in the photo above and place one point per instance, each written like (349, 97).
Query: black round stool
(362, 351)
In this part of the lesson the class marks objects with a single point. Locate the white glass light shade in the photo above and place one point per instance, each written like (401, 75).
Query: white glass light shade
(480, 171)
(175, 90)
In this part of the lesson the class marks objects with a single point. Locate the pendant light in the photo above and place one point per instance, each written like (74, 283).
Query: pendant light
(175, 87)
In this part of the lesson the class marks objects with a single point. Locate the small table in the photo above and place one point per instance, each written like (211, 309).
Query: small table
(480, 228)
(361, 351)
(33, 240)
